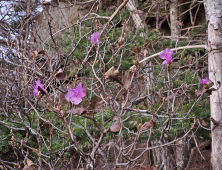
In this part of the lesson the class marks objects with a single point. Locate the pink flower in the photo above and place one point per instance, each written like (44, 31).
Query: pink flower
(204, 81)
(38, 84)
(75, 95)
(167, 55)
(94, 37)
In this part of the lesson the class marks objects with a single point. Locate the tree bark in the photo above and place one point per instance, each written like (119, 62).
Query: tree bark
(136, 18)
(174, 13)
(214, 15)
(165, 157)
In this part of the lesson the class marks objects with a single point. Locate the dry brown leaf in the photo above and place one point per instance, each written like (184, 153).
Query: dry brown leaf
(36, 151)
(42, 52)
(127, 79)
(208, 85)
(148, 125)
(13, 138)
(147, 45)
(81, 112)
(160, 92)
(138, 126)
(34, 54)
(120, 41)
(209, 91)
(136, 49)
(57, 107)
(189, 60)
(145, 52)
(136, 63)
(203, 123)
(111, 73)
(62, 113)
(78, 111)
(171, 96)
(195, 120)
(200, 92)
(29, 165)
(165, 135)
(16, 166)
(29, 162)
(28, 168)
(115, 127)
(59, 75)
(46, 3)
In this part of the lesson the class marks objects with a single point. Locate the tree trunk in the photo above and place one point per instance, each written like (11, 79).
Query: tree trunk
(136, 18)
(164, 157)
(214, 15)
(173, 18)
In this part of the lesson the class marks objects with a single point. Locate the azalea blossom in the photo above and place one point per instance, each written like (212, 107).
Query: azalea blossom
(38, 84)
(75, 95)
(94, 37)
(167, 55)
(204, 81)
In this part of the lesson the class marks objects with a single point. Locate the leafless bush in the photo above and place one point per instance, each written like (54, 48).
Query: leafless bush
(121, 107)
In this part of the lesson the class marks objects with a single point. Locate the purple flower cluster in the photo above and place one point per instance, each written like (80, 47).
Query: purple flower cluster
(204, 81)
(75, 95)
(38, 84)
(94, 37)
(166, 55)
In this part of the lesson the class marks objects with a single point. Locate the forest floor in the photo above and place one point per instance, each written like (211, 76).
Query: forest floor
(198, 163)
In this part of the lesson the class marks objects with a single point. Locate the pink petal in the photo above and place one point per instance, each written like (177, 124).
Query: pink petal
(35, 92)
(204, 81)
(75, 95)
(164, 62)
(95, 36)
(80, 90)
(77, 100)
(68, 96)
(162, 55)
(38, 84)
(166, 54)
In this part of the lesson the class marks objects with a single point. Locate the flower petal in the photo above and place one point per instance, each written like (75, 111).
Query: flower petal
(77, 100)
(162, 55)
(38, 84)
(166, 54)
(94, 37)
(204, 81)
(75, 95)
(164, 62)
(68, 97)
